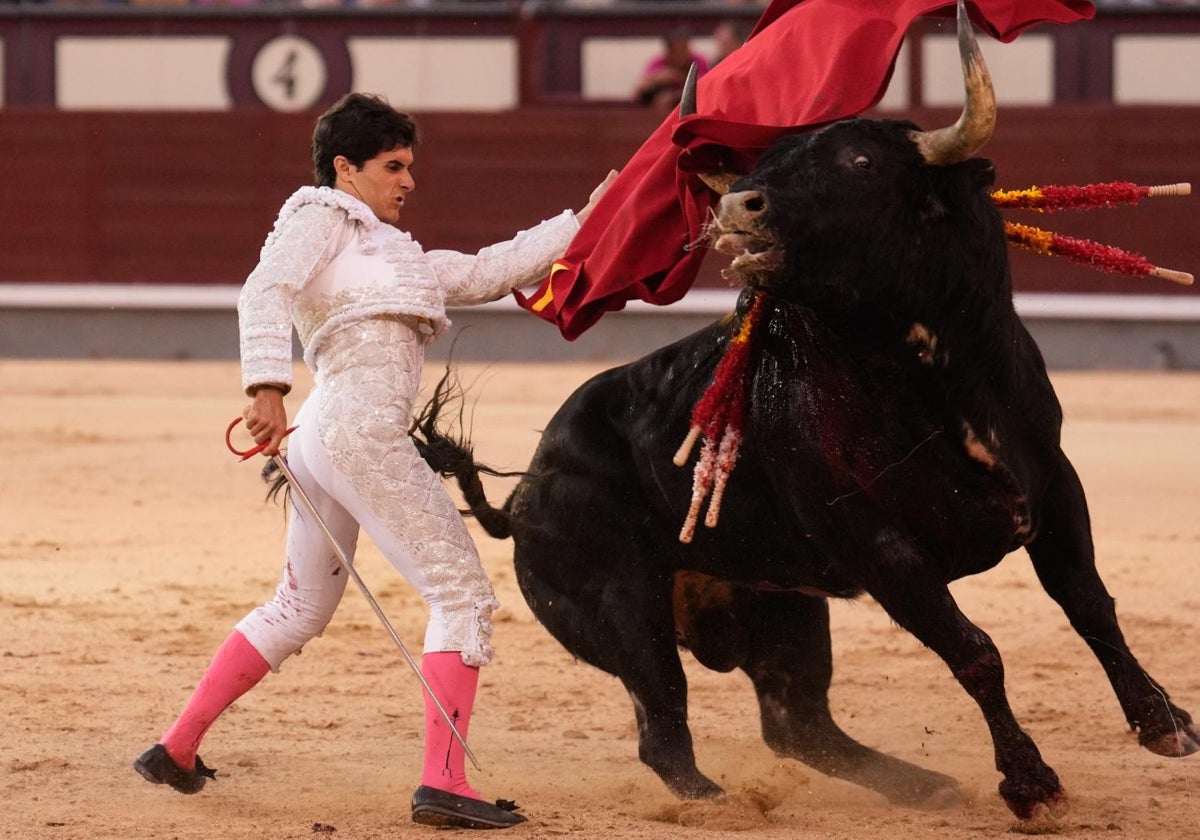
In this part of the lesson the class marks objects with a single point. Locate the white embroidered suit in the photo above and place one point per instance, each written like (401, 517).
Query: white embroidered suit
(365, 299)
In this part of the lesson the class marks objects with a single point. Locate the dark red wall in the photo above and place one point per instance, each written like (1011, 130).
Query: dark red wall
(188, 198)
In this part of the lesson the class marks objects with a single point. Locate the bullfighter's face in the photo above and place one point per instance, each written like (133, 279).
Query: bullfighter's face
(382, 183)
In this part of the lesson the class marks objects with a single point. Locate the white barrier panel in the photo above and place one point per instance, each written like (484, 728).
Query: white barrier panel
(1156, 69)
(610, 68)
(896, 96)
(140, 73)
(714, 302)
(1022, 72)
(469, 74)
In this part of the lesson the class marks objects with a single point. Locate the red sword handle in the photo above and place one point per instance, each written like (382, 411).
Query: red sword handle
(246, 453)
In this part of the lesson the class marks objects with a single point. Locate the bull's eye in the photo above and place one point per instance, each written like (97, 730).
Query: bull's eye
(862, 162)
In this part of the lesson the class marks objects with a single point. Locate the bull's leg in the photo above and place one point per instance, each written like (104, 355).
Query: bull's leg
(624, 626)
(1064, 558)
(642, 642)
(658, 688)
(790, 662)
(918, 601)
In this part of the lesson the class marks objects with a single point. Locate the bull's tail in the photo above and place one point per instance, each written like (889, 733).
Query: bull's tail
(446, 448)
(276, 482)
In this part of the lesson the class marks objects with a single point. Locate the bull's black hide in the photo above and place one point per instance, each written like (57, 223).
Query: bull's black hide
(901, 432)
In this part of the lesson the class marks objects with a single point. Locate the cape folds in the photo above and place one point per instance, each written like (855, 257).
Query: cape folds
(823, 60)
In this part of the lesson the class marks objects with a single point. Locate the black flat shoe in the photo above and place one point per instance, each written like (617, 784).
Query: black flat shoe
(431, 806)
(157, 766)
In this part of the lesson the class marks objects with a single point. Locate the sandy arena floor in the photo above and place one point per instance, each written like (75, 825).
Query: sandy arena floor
(132, 541)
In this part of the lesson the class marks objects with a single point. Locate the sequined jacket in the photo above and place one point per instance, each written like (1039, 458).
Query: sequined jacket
(329, 261)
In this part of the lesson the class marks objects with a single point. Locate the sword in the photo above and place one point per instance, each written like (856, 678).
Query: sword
(348, 565)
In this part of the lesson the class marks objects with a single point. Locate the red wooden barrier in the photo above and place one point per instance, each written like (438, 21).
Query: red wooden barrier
(188, 198)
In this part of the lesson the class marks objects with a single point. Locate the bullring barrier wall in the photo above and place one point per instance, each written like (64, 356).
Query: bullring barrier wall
(131, 222)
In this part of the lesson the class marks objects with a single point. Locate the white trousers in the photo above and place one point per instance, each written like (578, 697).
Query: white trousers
(352, 455)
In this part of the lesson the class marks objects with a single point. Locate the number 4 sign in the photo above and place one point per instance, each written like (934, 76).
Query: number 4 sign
(288, 73)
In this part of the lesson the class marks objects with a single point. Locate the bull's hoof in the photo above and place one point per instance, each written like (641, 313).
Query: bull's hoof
(943, 798)
(1034, 796)
(1045, 819)
(697, 787)
(1054, 808)
(1175, 744)
(920, 789)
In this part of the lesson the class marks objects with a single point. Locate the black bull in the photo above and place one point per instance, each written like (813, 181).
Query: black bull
(900, 433)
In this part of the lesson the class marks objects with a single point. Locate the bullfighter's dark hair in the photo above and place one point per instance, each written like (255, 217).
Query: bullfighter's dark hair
(358, 126)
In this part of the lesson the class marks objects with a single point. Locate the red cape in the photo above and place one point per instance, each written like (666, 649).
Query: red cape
(806, 63)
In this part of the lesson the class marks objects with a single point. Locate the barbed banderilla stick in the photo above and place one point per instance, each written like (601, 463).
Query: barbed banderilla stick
(348, 565)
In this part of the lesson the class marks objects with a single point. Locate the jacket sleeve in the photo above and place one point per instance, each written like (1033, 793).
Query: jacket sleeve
(299, 247)
(498, 269)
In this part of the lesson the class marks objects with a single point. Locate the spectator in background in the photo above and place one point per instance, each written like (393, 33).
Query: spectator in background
(661, 83)
(727, 36)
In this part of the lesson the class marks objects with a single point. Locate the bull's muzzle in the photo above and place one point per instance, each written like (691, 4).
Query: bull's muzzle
(739, 231)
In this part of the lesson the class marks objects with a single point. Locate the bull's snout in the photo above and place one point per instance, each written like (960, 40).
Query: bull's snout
(741, 233)
(741, 208)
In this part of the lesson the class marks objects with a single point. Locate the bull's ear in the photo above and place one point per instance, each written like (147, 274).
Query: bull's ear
(983, 173)
(934, 210)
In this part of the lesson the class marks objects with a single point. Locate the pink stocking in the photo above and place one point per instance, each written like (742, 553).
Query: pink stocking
(454, 684)
(235, 669)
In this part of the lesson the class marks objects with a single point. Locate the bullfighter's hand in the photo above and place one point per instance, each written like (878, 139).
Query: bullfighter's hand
(594, 198)
(266, 419)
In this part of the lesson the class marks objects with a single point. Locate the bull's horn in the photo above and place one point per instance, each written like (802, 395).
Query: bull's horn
(687, 102)
(956, 143)
(719, 181)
